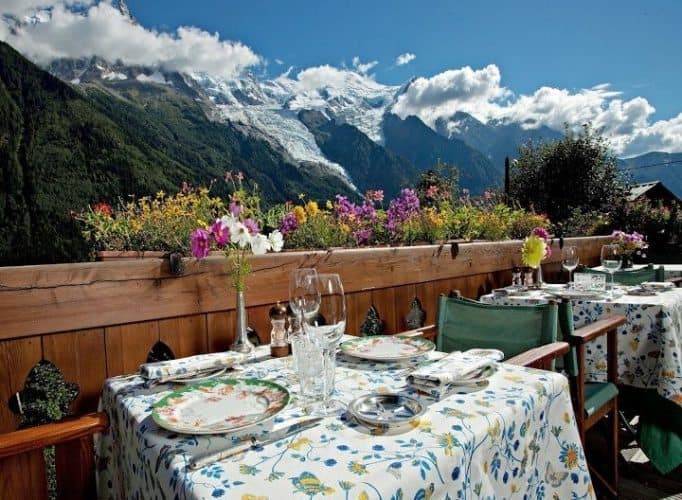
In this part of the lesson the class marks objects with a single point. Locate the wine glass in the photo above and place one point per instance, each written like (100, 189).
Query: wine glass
(569, 260)
(304, 300)
(611, 259)
(325, 330)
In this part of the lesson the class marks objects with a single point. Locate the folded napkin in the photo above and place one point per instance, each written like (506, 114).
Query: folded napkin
(454, 368)
(192, 365)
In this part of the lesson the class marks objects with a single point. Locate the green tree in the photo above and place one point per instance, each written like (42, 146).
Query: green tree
(576, 172)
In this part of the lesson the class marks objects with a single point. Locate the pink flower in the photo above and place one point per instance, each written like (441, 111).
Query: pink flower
(239, 176)
(432, 191)
(540, 232)
(236, 208)
(220, 232)
(377, 195)
(252, 226)
(228, 176)
(201, 243)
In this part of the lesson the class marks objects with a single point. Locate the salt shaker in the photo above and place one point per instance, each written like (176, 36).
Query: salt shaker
(278, 341)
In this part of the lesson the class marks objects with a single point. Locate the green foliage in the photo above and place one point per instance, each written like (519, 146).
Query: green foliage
(576, 172)
(61, 149)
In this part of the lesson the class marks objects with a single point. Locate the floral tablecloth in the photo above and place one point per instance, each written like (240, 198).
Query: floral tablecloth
(514, 438)
(649, 344)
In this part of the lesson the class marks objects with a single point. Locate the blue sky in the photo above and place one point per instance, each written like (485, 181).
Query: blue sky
(633, 45)
(614, 64)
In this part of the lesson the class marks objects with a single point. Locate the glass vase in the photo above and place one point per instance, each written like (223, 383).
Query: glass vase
(241, 342)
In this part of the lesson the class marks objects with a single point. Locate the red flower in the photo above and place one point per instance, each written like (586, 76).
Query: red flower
(102, 208)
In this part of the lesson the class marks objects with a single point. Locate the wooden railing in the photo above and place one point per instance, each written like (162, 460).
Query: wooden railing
(95, 320)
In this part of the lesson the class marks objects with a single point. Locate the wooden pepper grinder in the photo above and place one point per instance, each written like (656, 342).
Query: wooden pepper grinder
(278, 342)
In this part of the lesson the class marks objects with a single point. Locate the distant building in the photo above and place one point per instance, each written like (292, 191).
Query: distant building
(655, 192)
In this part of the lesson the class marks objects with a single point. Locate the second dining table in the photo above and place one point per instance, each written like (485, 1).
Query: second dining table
(512, 436)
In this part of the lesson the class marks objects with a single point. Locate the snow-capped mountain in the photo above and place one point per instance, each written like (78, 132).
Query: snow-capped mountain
(271, 109)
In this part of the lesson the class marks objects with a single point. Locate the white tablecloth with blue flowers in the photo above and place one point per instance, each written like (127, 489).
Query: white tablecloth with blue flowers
(649, 344)
(514, 438)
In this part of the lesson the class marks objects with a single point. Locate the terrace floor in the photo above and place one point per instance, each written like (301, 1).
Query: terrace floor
(639, 480)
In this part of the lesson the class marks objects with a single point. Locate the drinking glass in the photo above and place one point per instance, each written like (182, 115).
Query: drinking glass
(569, 260)
(304, 300)
(325, 330)
(611, 259)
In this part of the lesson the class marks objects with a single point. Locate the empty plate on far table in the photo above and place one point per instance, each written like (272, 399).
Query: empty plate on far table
(387, 347)
(494, 354)
(642, 291)
(576, 294)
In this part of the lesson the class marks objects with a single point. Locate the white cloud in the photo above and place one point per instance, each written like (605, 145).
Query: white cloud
(404, 59)
(279, 61)
(102, 30)
(627, 124)
(363, 68)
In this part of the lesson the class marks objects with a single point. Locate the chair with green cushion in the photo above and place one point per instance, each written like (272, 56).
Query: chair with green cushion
(593, 401)
(634, 276)
(526, 334)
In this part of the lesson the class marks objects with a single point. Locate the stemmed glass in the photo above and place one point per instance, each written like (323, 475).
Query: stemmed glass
(611, 259)
(325, 329)
(569, 260)
(304, 300)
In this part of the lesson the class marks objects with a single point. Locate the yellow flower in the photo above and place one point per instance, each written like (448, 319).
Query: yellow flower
(533, 251)
(311, 208)
(301, 196)
(329, 205)
(299, 213)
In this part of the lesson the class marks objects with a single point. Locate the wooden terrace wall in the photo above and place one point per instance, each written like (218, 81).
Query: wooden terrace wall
(96, 320)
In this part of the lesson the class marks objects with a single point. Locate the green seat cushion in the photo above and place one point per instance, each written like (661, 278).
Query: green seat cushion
(597, 395)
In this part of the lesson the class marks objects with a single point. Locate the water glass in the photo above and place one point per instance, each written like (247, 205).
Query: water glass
(325, 330)
(569, 260)
(611, 260)
(309, 362)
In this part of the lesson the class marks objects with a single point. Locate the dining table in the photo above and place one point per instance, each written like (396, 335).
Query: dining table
(669, 270)
(512, 435)
(649, 353)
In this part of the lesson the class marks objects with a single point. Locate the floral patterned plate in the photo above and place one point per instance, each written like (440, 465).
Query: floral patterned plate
(387, 347)
(220, 405)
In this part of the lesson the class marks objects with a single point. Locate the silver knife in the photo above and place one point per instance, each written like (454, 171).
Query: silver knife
(253, 442)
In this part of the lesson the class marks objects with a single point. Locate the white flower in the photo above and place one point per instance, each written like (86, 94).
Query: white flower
(240, 235)
(260, 244)
(229, 221)
(276, 240)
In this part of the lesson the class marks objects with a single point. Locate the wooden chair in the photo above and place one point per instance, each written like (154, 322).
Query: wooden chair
(22, 464)
(594, 401)
(526, 334)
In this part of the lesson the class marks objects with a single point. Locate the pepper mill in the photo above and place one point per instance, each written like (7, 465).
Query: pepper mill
(278, 341)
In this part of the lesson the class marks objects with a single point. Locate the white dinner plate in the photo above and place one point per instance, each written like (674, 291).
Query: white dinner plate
(220, 405)
(387, 347)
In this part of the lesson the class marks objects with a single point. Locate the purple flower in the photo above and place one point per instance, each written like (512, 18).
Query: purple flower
(220, 232)
(236, 208)
(252, 226)
(288, 224)
(363, 236)
(201, 243)
(541, 232)
(401, 209)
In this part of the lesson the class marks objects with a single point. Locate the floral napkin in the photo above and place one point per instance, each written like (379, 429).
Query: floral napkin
(456, 367)
(186, 367)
